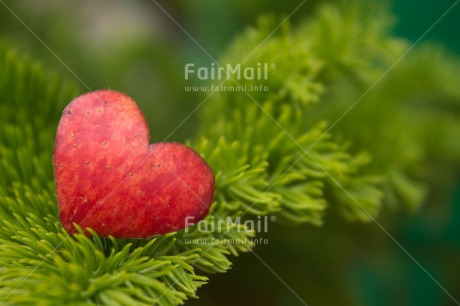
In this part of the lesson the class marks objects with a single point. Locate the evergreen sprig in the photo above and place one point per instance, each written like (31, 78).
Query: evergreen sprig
(275, 152)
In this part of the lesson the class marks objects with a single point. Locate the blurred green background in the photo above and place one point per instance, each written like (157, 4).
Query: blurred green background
(134, 47)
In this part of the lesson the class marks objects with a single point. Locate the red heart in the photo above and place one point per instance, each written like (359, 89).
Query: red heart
(109, 178)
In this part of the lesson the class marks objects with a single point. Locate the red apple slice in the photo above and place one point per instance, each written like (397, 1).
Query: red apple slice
(110, 179)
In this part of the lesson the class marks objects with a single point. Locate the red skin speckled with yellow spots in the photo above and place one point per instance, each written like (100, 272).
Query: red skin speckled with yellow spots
(109, 178)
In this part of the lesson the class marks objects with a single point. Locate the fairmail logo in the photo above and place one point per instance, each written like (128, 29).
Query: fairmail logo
(222, 225)
(237, 72)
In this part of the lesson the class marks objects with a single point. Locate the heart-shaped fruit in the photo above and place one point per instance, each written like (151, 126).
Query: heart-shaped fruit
(110, 179)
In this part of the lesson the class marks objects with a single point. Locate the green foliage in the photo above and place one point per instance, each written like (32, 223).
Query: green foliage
(276, 152)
